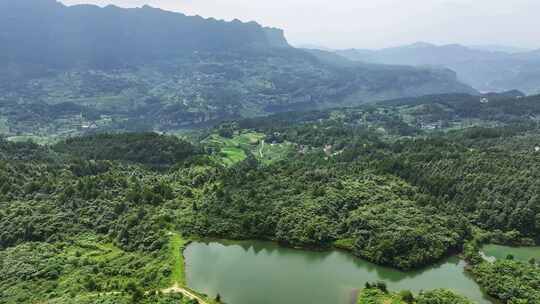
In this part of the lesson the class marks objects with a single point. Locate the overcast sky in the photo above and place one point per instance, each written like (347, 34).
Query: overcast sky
(373, 23)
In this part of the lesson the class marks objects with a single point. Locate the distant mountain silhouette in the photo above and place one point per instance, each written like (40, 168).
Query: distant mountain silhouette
(499, 48)
(47, 32)
(483, 69)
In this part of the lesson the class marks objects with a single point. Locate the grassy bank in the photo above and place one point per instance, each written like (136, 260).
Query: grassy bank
(176, 259)
(377, 294)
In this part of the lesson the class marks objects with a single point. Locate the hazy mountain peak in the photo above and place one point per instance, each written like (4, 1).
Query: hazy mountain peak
(486, 70)
(499, 48)
(114, 36)
(421, 44)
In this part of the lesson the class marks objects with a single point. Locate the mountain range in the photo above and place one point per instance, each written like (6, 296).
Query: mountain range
(481, 67)
(48, 33)
(63, 68)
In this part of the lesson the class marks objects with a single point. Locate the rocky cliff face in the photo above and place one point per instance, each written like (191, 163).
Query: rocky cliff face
(276, 37)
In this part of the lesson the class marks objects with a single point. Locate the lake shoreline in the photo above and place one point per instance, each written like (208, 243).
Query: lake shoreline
(250, 244)
(248, 256)
(450, 253)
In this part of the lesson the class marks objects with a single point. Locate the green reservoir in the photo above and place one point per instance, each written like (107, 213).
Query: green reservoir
(264, 273)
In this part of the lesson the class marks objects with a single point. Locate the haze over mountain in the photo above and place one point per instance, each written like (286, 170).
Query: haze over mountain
(60, 36)
(373, 23)
(158, 69)
(483, 69)
(499, 48)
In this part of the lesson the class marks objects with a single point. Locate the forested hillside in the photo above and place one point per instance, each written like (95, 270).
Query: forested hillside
(80, 215)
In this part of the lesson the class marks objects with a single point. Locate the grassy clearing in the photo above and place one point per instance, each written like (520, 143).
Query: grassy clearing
(31, 138)
(346, 244)
(233, 150)
(248, 139)
(232, 155)
(269, 153)
(244, 140)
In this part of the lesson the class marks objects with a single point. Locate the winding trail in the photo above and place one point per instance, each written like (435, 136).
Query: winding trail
(262, 148)
(177, 289)
(177, 245)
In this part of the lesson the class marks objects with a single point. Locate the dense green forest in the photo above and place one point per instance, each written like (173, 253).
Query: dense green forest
(508, 280)
(377, 293)
(79, 216)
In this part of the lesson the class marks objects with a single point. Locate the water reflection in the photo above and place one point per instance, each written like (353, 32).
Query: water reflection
(250, 272)
(519, 253)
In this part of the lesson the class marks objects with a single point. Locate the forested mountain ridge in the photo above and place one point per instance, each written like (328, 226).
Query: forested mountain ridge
(201, 88)
(68, 69)
(47, 34)
(484, 70)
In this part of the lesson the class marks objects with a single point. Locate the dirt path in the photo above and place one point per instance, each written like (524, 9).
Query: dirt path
(177, 245)
(177, 289)
(262, 148)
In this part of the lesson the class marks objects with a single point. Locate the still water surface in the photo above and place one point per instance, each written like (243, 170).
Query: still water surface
(264, 273)
(519, 253)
